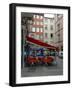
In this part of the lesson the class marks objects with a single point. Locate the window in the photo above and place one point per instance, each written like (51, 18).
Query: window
(51, 35)
(45, 35)
(58, 26)
(58, 15)
(34, 22)
(37, 16)
(41, 17)
(41, 30)
(37, 36)
(29, 21)
(51, 27)
(59, 37)
(37, 29)
(51, 20)
(34, 16)
(46, 20)
(41, 37)
(33, 29)
(46, 28)
(30, 28)
(37, 23)
(41, 23)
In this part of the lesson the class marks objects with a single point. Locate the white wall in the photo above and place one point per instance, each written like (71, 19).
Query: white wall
(4, 44)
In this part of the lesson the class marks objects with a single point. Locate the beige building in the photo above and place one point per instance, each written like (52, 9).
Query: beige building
(59, 31)
(49, 30)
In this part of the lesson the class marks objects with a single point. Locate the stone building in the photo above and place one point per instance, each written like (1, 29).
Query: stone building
(49, 30)
(59, 31)
(37, 27)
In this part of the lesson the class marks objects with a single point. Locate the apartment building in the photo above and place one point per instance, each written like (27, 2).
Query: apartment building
(59, 31)
(37, 27)
(49, 30)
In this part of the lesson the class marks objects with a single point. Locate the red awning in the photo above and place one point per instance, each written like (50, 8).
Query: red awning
(40, 43)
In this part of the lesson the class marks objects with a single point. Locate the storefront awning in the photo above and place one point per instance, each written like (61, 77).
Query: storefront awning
(40, 43)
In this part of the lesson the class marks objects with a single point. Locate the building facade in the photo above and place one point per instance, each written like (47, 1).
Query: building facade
(37, 27)
(59, 31)
(46, 29)
(49, 30)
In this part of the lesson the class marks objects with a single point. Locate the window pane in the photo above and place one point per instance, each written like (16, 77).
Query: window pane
(45, 35)
(51, 27)
(37, 30)
(58, 26)
(33, 29)
(37, 16)
(34, 16)
(34, 22)
(37, 23)
(41, 37)
(41, 23)
(45, 27)
(51, 20)
(41, 17)
(46, 20)
(41, 30)
(51, 35)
